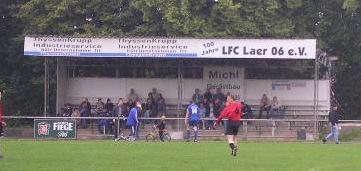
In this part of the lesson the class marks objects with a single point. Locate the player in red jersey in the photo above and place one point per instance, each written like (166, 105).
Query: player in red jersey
(234, 112)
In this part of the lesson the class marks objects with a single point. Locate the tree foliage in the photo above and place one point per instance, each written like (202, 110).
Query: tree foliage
(334, 23)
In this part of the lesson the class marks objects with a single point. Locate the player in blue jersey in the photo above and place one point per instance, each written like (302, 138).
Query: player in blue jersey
(192, 120)
(132, 121)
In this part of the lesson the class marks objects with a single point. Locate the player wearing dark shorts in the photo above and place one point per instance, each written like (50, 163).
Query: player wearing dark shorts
(192, 120)
(233, 111)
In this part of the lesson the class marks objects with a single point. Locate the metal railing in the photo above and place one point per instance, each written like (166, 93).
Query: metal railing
(250, 128)
(287, 129)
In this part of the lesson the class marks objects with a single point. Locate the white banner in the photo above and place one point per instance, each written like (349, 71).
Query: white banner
(170, 47)
(229, 79)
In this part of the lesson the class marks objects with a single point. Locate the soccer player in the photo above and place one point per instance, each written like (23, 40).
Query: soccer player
(233, 111)
(132, 121)
(192, 120)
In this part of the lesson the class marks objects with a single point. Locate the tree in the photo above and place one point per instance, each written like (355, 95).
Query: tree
(20, 76)
(340, 30)
(334, 23)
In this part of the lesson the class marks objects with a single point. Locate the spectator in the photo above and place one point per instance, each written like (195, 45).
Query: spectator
(161, 107)
(84, 110)
(155, 94)
(228, 94)
(103, 125)
(198, 96)
(148, 108)
(333, 118)
(132, 97)
(248, 113)
(210, 115)
(108, 106)
(219, 95)
(202, 113)
(160, 97)
(68, 110)
(217, 107)
(205, 102)
(107, 112)
(275, 107)
(151, 98)
(152, 105)
(99, 107)
(264, 106)
(208, 94)
(76, 113)
(118, 111)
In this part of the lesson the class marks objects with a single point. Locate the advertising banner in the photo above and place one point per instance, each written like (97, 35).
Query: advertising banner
(54, 129)
(170, 47)
(228, 79)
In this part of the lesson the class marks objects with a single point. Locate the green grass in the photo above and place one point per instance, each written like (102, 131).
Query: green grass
(207, 156)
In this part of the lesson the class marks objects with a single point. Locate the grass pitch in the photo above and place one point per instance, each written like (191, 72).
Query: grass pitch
(205, 155)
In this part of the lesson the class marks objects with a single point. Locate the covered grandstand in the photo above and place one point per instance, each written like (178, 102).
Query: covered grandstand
(248, 68)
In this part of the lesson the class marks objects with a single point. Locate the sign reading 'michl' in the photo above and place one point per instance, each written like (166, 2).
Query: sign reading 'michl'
(170, 47)
(62, 129)
(228, 79)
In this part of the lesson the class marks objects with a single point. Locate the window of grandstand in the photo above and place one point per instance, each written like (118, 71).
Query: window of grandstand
(192, 72)
(91, 71)
(279, 73)
(123, 72)
(190, 68)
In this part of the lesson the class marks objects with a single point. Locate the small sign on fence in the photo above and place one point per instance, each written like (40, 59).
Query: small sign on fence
(55, 129)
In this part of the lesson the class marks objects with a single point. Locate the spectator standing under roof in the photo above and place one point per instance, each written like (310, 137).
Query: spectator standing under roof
(161, 106)
(99, 107)
(264, 106)
(68, 110)
(217, 107)
(219, 95)
(108, 109)
(210, 115)
(197, 96)
(119, 111)
(155, 94)
(108, 106)
(275, 107)
(148, 108)
(151, 106)
(132, 97)
(202, 113)
(84, 110)
(208, 94)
